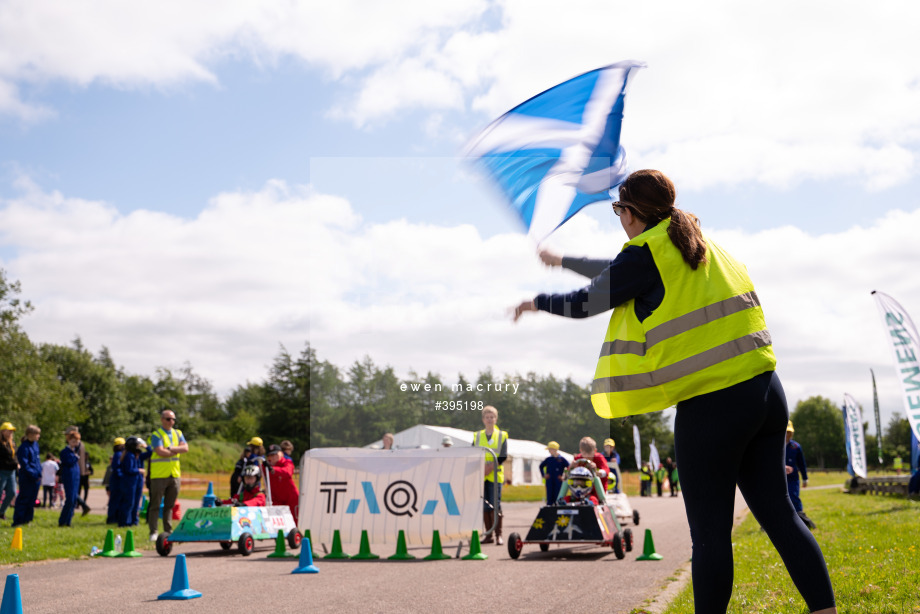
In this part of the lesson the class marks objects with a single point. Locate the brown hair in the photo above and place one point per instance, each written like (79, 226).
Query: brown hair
(651, 196)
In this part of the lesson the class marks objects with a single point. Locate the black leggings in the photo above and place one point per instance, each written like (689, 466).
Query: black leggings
(737, 436)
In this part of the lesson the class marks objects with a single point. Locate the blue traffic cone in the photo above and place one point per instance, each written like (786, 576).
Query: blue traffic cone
(305, 564)
(12, 598)
(209, 498)
(180, 589)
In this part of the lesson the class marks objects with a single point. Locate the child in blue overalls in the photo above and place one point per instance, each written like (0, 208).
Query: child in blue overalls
(70, 477)
(553, 469)
(130, 468)
(114, 481)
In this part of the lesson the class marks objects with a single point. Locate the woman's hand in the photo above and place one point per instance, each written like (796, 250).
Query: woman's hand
(549, 258)
(525, 306)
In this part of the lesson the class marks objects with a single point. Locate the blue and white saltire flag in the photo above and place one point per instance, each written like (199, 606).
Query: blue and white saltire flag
(855, 437)
(560, 150)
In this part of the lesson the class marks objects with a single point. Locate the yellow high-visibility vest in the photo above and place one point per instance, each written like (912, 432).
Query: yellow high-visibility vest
(495, 442)
(709, 333)
(166, 466)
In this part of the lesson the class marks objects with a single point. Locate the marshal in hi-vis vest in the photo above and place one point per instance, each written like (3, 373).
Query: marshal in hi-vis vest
(709, 333)
(168, 466)
(498, 438)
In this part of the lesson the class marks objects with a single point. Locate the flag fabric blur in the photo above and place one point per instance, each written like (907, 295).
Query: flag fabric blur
(560, 150)
(653, 459)
(878, 418)
(638, 447)
(855, 437)
(905, 348)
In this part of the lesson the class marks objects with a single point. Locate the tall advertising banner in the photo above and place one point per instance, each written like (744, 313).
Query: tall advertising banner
(653, 459)
(384, 491)
(856, 440)
(905, 346)
(878, 418)
(638, 447)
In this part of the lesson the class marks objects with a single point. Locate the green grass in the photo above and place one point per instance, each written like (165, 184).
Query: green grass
(870, 545)
(43, 539)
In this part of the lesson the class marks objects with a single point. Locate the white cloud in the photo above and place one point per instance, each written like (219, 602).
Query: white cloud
(222, 290)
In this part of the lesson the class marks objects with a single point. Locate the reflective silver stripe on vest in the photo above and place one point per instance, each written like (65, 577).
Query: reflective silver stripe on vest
(170, 459)
(681, 368)
(682, 324)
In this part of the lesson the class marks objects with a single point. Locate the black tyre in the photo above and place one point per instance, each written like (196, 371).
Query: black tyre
(544, 547)
(226, 545)
(628, 539)
(294, 538)
(164, 546)
(246, 543)
(618, 546)
(636, 517)
(515, 545)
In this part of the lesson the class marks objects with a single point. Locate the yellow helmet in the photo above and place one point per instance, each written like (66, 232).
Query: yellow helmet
(552, 446)
(119, 441)
(255, 441)
(610, 442)
(7, 426)
(789, 428)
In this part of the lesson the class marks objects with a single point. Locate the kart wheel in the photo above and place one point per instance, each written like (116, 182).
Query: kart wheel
(294, 538)
(636, 517)
(618, 546)
(164, 546)
(226, 545)
(544, 547)
(628, 539)
(515, 545)
(246, 544)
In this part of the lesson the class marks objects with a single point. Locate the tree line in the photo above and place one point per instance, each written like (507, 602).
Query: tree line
(314, 403)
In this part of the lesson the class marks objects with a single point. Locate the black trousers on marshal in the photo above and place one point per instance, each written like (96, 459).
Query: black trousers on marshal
(738, 436)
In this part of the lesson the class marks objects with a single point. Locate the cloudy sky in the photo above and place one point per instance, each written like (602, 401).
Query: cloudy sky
(208, 181)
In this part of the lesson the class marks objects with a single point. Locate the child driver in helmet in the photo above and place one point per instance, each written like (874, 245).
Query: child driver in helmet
(251, 495)
(582, 487)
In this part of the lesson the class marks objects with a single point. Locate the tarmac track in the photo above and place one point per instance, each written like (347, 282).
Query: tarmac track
(586, 578)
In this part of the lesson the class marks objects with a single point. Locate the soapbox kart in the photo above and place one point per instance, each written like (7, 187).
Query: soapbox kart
(570, 525)
(622, 509)
(230, 525)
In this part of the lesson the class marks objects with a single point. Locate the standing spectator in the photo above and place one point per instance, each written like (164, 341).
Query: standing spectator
(613, 463)
(795, 462)
(287, 448)
(645, 488)
(282, 489)
(30, 476)
(49, 473)
(168, 444)
(388, 440)
(898, 464)
(447, 442)
(660, 475)
(497, 440)
(114, 487)
(675, 480)
(251, 454)
(553, 471)
(70, 477)
(131, 482)
(8, 467)
(85, 468)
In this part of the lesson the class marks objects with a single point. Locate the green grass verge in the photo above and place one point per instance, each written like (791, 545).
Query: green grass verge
(44, 539)
(869, 543)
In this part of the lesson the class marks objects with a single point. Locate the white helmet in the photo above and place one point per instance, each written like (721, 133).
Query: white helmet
(581, 481)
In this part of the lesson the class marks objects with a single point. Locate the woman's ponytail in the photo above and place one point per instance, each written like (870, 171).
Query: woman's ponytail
(684, 231)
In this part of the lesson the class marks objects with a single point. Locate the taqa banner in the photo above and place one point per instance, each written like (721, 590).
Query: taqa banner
(385, 491)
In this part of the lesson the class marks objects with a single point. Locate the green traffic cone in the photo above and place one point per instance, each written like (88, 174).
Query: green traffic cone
(280, 551)
(109, 548)
(402, 553)
(336, 547)
(129, 552)
(306, 537)
(436, 553)
(648, 550)
(475, 549)
(365, 553)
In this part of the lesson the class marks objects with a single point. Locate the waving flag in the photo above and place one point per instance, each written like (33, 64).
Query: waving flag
(905, 347)
(638, 448)
(653, 459)
(560, 150)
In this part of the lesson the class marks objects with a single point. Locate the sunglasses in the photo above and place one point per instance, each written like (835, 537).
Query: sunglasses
(169, 419)
(618, 206)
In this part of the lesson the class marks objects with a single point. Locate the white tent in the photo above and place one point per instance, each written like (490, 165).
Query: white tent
(524, 456)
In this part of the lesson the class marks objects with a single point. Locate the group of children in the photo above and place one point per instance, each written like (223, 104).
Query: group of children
(125, 480)
(245, 484)
(52, 487)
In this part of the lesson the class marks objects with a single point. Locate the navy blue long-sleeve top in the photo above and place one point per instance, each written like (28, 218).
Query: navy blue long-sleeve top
(30, 463)
(795, 458)
(631, 275)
